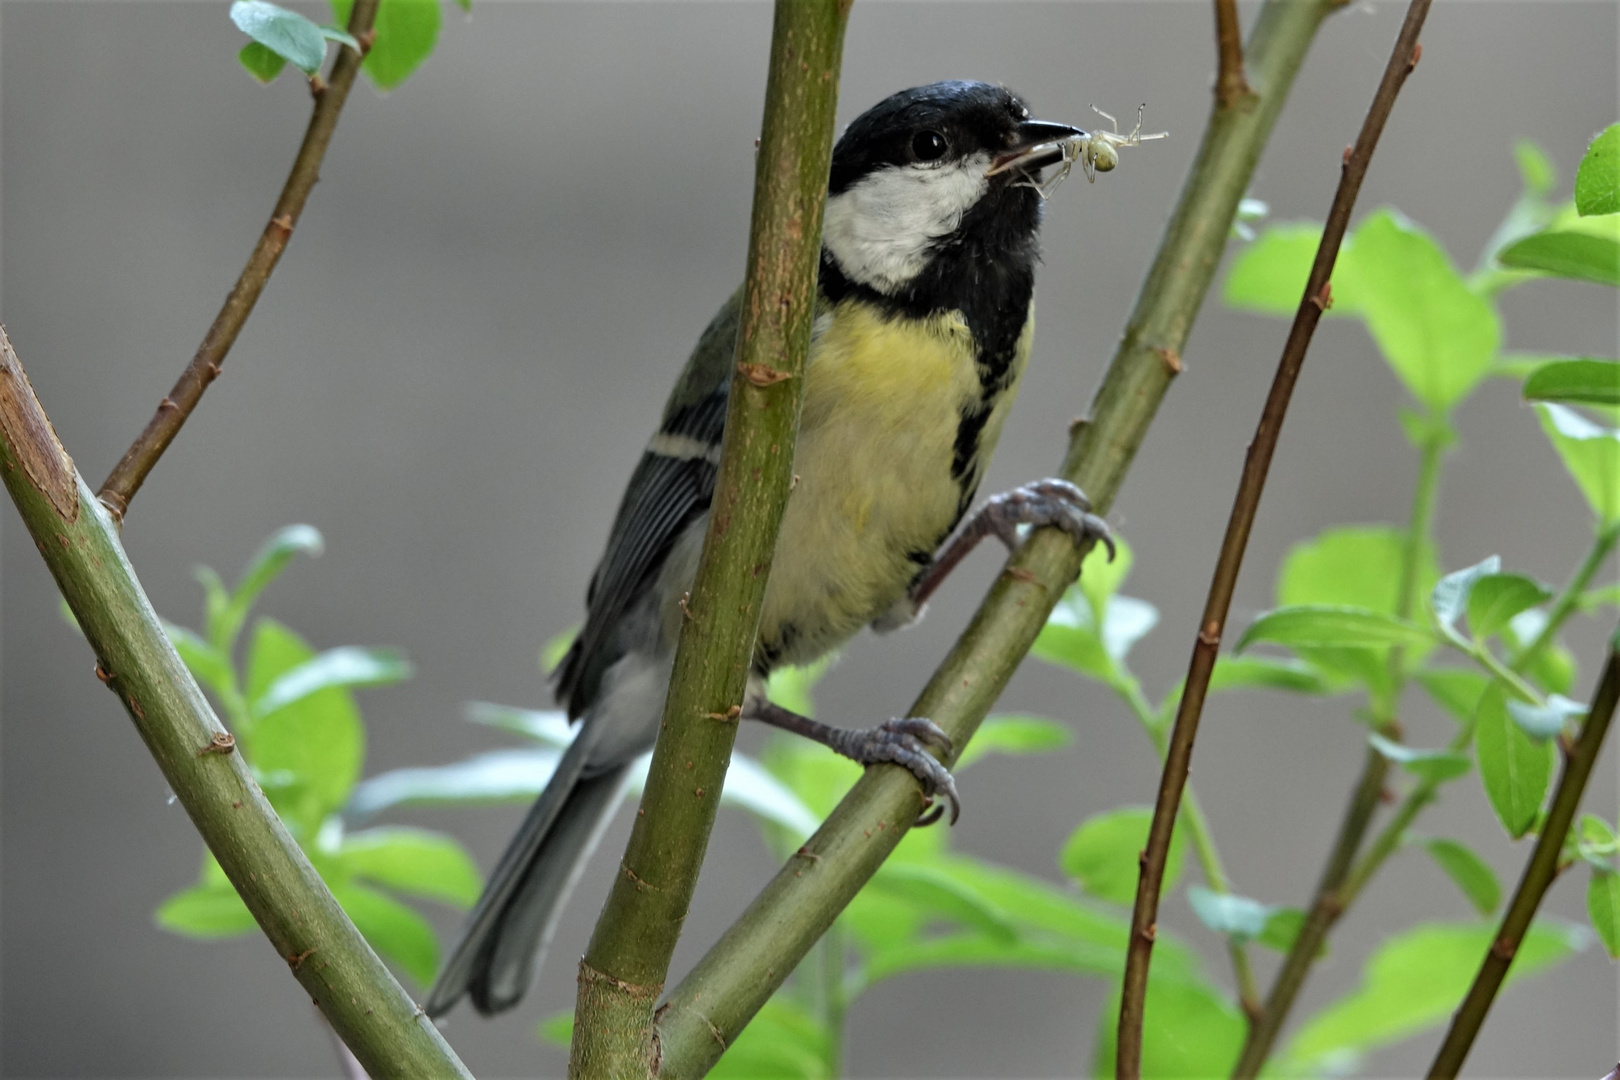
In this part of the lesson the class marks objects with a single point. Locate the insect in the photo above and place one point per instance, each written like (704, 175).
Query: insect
(1095, 151)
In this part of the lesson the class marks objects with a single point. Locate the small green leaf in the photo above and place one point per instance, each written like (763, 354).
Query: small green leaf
(938, 895)
(557, 1029)
(341, 36)
(205, 663)
(1350, 566)
(1269, 276)
(1269, 673)
(1189, 1029)
(1127, 621)
(1437, 335)
(414, 861)
(1545, 721)
(1100, 577)
(1577, 256)
(1496, 598)
(1014, 735)
(790, 687)
(265, 566)
(318, 740)
(556, 647)
(206, 912)
(1413, 981)
(1237, 917)
(1336, 627)
(1456, 690)
(1596, 836)
(1603, 907)
(781, 1042)
(1597, 180)
(394, 930)
(1449, 597)
(498, 776)
(1436, 766)
(285, 33)
(1536, 170)
(1102, 855)
(1071, 639)
(1513, 767)
(1554, 666)
(1282, 930)
(1580, 380)
(406, 30)
(346, 666)
(260, 62)
(1468, 871)
(1591, 453)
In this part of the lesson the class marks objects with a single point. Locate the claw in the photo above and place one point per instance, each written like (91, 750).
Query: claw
(904, 742)
(1047, 502)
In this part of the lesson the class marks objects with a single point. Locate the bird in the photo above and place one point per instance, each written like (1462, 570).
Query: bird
(923, 326)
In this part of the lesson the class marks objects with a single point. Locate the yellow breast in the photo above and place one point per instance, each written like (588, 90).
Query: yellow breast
(874, 495)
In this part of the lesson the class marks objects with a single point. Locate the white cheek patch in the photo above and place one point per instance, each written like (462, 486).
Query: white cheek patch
(880, 230)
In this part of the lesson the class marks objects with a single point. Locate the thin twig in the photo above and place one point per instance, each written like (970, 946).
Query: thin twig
(130, 472)
(1244, 507)
(79, 542)
(738, 975)
(1230, 85)
(1539, 873)
(629, 954)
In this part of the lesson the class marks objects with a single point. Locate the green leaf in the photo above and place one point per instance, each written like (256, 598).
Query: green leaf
(1578, 256)
(206, 664)
(790, 687)
(1496, 598)
(394, 930)
(1456, 690)
(1433, 765)
(1414, 981)
(1597, 180)
(406, 30)
(1513, 767)
(285, 33)
(1101, 578)
(1591, 454)
(1071, 639)
(414, 861)
(1545, 721)
(260, 62)
(498, 776)
(341, 36)
(1437, 335)
(1237, 917)
(751, 787)
(1554, 666)
(781, 1042)
(556, 647)
(1468, 871)
(1282, 929)
(1350, 566)
(318, 740)
(265, 566)
(557, 1029)
(1581, 380)
(346, 666)
(1603, 907)
(206, 912)
(1269, 276)
(1269, 673)
(1536, 170)
(549, 727)
(1449, 597)
(1014, 735)
(936, 894)
(1102, 854)
(1337, 627)
(1189, 1029)
(1596, 837)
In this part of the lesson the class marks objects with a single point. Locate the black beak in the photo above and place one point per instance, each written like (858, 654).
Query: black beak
(1036, 144)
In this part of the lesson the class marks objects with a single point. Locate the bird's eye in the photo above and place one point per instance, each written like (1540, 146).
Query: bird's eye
(928, 146)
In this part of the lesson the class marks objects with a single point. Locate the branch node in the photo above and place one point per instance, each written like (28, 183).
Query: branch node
(1417, 54)
(1170, 358)
(762, 375)
(223, 742)
(296, 961)
(1504, 948)
(1210, 633)
(731, 715)
(103, 674)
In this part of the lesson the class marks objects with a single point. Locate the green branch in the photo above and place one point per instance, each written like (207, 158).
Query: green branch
(79, 541)
(624, 968)
(1539, 873)
(739, 974)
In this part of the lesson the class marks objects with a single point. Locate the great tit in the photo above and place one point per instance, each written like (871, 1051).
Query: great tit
(922, 329)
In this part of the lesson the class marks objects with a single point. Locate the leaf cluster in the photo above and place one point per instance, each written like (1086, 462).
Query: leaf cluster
(405, 33)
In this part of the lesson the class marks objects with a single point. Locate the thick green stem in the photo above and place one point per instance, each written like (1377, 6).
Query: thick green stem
(79, 541)
(738, 975)
(1539, 873)
(628, 959)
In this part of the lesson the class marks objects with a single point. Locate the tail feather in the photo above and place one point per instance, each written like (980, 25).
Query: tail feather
(509, 928)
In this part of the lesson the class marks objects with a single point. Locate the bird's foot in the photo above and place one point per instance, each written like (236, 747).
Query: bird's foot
(905, 741)
(1045, 502)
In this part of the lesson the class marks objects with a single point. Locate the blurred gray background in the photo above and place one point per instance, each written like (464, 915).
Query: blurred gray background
(469, 339)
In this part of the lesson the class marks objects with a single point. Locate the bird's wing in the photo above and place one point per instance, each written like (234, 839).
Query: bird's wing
(672, 485)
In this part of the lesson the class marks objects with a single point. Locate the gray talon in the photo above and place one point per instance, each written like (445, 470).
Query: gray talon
(1048, 502)
(904, 742)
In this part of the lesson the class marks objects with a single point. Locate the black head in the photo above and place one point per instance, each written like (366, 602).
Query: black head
(932, 168)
